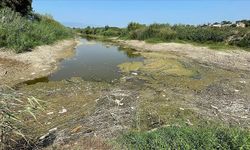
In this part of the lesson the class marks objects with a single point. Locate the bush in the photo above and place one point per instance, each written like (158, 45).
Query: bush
(242, 41)
(112, 31)
(188, 138)
(103, 31)
(22, 34)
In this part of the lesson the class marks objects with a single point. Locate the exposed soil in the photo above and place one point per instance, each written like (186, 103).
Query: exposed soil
(229, 59)
(40, 62)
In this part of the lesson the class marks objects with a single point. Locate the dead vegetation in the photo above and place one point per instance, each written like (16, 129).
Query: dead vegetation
(13, 106)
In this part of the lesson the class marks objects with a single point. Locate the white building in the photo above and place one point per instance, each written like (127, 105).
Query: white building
(240, 24)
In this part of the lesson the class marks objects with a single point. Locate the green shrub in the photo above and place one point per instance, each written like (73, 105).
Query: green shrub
(167, 34)
(188, 138)
(22, 33)
(112, 31)
(241, 41)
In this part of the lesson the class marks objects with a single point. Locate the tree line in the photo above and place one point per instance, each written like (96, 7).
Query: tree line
(228, 35)
(21, 29)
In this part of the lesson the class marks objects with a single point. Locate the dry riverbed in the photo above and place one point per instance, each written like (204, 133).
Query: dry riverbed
(175, 84)
(228, 59)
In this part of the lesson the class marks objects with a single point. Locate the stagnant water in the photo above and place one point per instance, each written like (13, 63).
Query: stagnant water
(93, 61)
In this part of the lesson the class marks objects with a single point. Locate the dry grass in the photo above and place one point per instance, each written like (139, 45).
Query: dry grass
(89, 143)
(13, 106)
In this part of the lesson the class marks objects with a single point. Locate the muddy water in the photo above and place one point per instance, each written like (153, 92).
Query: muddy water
(94, 61)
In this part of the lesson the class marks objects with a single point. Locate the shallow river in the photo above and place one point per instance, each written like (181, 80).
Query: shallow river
(93, 61)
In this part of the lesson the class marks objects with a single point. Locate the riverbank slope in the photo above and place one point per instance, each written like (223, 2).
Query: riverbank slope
(228, 59)
(40, 62)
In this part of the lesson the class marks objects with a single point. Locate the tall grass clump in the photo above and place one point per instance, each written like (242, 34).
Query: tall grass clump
(188, 138)
(22, 33)
(13, 106)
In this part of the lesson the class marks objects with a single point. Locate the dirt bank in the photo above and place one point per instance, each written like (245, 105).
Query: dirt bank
(43, 60)
(228, 59)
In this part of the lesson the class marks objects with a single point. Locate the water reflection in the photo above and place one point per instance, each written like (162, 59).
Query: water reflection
(95, 61)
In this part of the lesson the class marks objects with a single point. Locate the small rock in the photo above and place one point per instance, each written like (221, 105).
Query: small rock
(134, 73)
(132, 108)
(62, 111)
(164, 95)
(50, 113)
(33, 73)
(243, 82)
(182, 108)
(236, 90)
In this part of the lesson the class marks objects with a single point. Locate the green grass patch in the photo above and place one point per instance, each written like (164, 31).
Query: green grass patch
(206, 137)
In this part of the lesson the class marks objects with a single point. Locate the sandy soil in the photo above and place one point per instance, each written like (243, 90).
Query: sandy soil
(228, 59)
(42, 61)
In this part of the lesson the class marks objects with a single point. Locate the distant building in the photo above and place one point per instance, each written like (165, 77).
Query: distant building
(217, 25)
(240, 24)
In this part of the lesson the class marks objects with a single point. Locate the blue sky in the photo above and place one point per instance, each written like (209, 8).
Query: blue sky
(121, 12)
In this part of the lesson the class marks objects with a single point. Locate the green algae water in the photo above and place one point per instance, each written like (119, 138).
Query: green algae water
(94, 61)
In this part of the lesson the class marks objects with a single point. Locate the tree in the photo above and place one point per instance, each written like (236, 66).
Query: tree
(22, 6)
(226, 22)
(106, 27)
